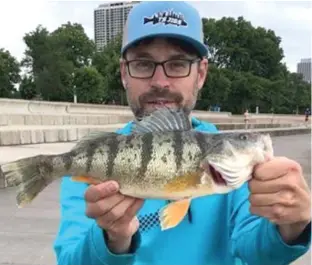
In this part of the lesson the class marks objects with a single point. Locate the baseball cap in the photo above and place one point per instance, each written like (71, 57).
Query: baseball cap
(176, 19)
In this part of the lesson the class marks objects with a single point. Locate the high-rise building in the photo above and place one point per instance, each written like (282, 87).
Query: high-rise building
(109, 20)
(304, 68)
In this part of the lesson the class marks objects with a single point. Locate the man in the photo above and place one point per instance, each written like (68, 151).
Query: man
(266, 221)
(307, 113)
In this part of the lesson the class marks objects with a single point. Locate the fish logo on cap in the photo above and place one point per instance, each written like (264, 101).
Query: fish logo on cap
(166, 17)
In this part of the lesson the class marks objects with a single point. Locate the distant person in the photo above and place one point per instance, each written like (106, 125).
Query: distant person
(246, 118)
(307, 113)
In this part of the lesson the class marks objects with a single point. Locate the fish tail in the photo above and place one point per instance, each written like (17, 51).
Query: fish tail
(31, 175)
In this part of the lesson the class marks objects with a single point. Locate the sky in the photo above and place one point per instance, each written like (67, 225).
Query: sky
(291, 20)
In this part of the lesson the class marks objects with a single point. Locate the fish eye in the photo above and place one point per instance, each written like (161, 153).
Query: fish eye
(243, 137)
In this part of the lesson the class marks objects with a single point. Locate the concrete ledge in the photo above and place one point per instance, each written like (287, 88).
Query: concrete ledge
(17, 135)
(54, 119)
(19, 106)
(277, 131)
(111, 116)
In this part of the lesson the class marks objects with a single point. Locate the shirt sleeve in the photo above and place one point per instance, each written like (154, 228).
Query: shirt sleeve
(80, 240)
(256, 240)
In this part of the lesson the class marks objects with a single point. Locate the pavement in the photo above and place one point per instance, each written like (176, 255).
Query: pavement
(27, 234)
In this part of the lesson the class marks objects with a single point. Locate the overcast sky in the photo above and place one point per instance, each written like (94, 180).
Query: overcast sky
(291, 20)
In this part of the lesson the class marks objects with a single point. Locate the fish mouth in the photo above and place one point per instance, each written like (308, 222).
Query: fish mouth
(230, 175)
(217, 176)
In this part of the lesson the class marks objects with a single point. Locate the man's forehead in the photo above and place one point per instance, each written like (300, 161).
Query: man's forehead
(143, 48)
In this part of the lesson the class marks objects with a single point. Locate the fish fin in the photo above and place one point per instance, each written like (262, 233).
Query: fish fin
(173, 213)
(163, 120)
(95, 135)
(30, 175)
(86, 179)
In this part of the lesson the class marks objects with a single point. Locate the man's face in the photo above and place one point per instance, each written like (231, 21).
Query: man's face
(144, 95)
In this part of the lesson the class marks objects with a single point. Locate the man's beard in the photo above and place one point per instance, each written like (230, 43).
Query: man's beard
(139, 109)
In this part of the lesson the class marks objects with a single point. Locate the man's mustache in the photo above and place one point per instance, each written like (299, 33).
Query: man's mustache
(155, 93)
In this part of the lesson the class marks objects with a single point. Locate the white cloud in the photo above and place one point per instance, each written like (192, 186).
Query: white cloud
(290, 20)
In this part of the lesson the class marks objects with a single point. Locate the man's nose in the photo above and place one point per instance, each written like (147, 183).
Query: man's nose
(159, 78)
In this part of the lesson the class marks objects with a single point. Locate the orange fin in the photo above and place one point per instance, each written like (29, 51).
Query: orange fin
(172, 214)
(86, 179)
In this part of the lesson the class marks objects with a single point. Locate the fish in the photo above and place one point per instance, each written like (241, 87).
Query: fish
(163, 158)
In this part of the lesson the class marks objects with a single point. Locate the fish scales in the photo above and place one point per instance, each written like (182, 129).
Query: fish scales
(100, 161)
(191, 152)
(128, 160)
(162, 165)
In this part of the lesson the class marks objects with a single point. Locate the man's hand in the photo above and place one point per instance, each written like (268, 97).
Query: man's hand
(115, 213)
(279, 193)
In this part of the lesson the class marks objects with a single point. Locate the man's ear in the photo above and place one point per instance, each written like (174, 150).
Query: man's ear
(123, 72)
(202, 73)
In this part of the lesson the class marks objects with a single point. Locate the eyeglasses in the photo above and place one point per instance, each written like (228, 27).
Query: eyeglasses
(176, 68)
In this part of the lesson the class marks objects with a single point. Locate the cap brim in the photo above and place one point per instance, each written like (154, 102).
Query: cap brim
(200, 47)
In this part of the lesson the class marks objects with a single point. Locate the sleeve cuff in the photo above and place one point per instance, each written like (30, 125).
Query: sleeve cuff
(294, 250)
(105, 256)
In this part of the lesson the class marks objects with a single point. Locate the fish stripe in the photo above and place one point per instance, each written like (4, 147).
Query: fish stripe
(146, 154)
(178, 149)
(112, 143)
(90, 151)
(67, 159)
(129, 139)
(201, 142)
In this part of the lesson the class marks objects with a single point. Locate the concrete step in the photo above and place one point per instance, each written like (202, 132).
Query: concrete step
(117, 116)
(57, 119)
(20, 135)
(17, 135)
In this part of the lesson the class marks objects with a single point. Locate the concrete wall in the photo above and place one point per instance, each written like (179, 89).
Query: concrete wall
(27, 112)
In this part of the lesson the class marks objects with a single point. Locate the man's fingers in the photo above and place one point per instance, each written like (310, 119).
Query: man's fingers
(115, 213)
(275, 168)
(95, 193)
(275, 212)
(101, 207)
(283, 197)
(269, 186)
(131, 212)
(127, 229)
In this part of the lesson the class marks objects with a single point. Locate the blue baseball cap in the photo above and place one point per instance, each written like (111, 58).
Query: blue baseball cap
(175, 19)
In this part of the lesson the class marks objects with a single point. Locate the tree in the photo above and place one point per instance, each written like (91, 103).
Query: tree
(72, 41)
(237, 45)
(85, 78)
(37, 51)
(216, 88)
(52, 59)
(9, 73)
(106, 62)
(27, 88)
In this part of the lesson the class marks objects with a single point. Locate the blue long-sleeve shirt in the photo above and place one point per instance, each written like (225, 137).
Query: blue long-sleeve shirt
(218, 230)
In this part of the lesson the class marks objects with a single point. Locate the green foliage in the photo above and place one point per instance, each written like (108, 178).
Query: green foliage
(107, 63)
(85, 78)
(9, 73)
(245, 69)
(52, 59)
(27, 88)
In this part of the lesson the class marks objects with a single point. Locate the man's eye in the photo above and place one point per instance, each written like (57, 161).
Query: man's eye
(143, 64)
(177, 64)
